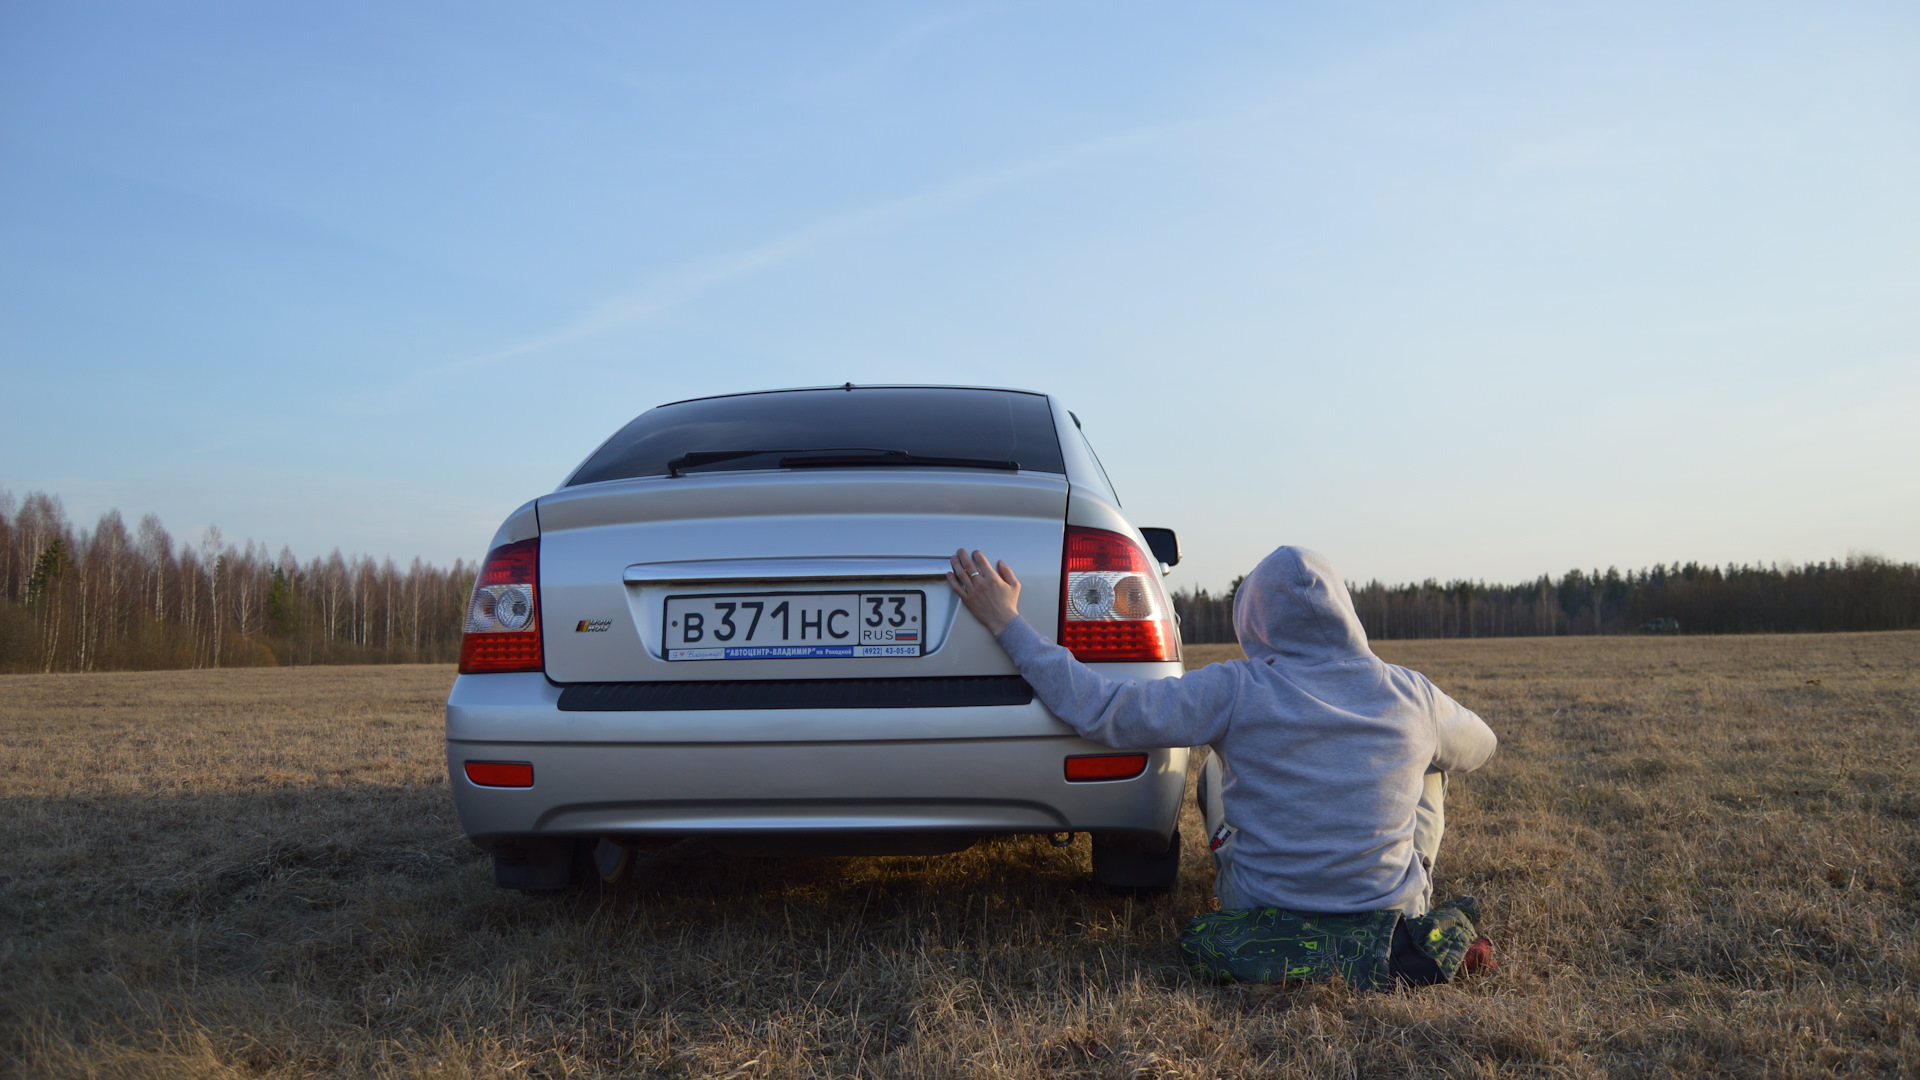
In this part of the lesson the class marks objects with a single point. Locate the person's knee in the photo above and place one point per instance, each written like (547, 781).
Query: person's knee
(1206, 791)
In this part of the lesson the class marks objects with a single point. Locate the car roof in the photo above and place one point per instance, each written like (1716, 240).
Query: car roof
(855, 386)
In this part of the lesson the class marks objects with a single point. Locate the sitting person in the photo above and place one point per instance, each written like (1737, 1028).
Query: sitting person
(1324, 794)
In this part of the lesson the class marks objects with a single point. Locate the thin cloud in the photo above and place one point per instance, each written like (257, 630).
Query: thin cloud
(690, 281)
(895, 51)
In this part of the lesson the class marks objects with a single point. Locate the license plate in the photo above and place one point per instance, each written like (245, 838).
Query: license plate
(795, 626)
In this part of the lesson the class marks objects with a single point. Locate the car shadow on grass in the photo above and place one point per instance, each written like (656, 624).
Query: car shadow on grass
(342, 912)
(261, 866)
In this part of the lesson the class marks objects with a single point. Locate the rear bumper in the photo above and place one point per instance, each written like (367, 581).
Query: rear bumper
(875, 772)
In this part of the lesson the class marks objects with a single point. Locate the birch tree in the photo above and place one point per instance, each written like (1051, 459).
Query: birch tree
(211, 560)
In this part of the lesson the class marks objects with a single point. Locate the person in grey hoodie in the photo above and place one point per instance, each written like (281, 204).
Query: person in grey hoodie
(1325, 790)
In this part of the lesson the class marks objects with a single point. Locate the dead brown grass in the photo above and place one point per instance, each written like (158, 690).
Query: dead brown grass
(1698, 856)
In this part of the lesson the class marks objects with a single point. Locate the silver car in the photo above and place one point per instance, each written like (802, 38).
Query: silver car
(731, 623)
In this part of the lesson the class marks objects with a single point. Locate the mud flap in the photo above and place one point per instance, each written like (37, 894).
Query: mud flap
(535, 866)
(1124, 863)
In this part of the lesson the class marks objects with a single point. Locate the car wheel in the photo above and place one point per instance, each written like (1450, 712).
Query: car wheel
(1124, 862)
(613, 862)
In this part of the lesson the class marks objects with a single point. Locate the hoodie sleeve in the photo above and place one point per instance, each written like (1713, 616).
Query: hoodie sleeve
(1465, 741)
(1191, 710)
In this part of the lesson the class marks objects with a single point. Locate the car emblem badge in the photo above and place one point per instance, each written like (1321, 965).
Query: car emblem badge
(593, 626)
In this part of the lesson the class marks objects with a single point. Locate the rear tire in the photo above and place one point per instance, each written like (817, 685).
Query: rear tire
(1122, 862)
(613, 862)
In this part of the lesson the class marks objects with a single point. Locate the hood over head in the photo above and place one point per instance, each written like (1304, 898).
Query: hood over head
(1295, 608)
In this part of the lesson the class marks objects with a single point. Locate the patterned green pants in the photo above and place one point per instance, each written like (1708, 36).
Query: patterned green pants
(1373, 950)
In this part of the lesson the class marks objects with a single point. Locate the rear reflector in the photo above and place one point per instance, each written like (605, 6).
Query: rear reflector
(1105, 767)
(500, 773)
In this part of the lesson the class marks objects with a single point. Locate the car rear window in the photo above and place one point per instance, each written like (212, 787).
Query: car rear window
(925, 422)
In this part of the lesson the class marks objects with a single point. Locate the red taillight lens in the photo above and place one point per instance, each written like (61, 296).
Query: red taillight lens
(503, 616)
(1111, 603)
(501, 773)
(1105, 767)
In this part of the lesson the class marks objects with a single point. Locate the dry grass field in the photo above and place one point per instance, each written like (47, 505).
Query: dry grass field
(1698, 856)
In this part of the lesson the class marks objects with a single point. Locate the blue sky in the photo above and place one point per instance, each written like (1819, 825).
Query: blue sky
(1477, 290)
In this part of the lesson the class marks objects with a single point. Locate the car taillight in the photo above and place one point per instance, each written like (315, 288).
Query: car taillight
(1111, 603)
(503, 617)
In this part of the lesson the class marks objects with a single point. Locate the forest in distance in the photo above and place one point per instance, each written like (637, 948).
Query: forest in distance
(1862, 592)
(118, 598)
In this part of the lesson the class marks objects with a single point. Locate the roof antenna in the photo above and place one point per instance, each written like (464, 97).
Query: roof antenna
(849, 386)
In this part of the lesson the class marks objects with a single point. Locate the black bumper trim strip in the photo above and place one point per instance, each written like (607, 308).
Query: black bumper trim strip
(926, 693)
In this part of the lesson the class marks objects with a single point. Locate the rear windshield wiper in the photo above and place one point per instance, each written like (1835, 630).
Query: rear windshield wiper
(696, 458)
(693, 460)
(891, 457)
(828, 457)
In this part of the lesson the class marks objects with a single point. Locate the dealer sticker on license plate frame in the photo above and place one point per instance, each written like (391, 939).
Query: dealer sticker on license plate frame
(796, 626)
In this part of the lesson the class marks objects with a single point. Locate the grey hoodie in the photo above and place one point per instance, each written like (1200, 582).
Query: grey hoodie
(1325, 747)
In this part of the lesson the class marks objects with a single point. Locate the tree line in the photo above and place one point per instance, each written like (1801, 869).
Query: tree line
(1859, 593)
(114, 598)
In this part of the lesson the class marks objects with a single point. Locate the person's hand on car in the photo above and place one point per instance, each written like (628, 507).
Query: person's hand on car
(991, 592)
